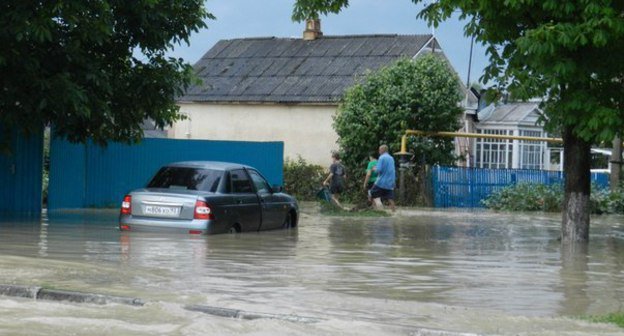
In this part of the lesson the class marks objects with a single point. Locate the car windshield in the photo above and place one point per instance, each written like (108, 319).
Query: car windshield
(186, 178)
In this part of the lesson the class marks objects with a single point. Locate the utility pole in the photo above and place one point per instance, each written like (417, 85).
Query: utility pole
(616, 163)
(469, 63)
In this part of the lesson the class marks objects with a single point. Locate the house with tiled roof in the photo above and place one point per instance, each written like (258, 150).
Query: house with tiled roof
(286, 89)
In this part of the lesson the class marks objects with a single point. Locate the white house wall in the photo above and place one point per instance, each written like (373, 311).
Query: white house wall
(305, 130)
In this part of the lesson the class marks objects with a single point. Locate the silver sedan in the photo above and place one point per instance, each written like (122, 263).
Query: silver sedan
(201, 197)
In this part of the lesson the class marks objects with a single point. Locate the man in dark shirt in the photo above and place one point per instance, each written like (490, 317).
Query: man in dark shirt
(336, 178)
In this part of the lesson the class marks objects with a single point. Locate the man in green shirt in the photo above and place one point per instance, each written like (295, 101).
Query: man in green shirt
(371, 174)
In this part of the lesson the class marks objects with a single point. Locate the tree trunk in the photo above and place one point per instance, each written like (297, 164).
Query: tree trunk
(576, 166)
(616, 163)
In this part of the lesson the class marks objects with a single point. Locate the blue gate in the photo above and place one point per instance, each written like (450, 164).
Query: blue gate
(87, 175)
(466, 187)
(21, 175)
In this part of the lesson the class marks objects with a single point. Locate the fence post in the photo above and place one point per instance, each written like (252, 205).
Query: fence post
(429, 191)
(402, 169)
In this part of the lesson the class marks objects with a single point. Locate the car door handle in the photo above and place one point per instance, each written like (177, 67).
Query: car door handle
(240, 201)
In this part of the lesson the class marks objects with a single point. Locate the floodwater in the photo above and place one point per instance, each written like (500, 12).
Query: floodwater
(471, 272)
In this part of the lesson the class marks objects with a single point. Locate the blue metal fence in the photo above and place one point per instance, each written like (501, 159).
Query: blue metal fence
(467, 187)
(88, 175)
(21, 175)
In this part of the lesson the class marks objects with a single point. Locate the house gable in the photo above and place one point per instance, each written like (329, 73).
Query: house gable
(514, 114)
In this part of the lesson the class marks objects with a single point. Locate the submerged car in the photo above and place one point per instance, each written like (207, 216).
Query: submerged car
(203, 197)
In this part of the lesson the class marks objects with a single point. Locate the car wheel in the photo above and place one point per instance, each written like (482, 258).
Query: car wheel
(288, 222)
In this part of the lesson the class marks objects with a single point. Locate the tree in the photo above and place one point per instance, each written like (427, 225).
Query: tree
(563, 51)
(94, 69)
(310, 9)
(566, 52)
(421, 94)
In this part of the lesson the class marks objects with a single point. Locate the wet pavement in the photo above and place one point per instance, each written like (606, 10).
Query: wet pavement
(474, 272)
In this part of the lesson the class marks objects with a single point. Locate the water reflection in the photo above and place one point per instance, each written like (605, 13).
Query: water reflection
(574, 276)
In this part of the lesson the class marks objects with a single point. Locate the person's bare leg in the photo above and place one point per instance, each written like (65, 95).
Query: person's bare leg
(378, 204)
(336, 201)
(392, 205)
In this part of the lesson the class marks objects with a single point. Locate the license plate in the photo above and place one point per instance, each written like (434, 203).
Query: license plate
(161, 211)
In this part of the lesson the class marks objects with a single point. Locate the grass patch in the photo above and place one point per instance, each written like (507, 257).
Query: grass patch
(613, 318)
(329, 209)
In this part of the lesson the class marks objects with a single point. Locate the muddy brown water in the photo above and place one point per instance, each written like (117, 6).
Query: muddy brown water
(474, 272)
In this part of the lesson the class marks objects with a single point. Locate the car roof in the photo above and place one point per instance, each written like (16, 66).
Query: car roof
(216, 165)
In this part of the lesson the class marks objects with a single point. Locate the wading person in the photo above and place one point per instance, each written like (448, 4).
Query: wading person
(336, 178)
(371, 174)
(383, 188)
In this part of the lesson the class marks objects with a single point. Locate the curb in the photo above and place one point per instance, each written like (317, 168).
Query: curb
(434, 332)
(235, 313)
(39, 293)
(19, 291)
(78, 297)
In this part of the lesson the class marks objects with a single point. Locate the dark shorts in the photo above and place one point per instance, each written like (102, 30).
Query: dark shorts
(336, 189)
(369, 185)
(384, 194)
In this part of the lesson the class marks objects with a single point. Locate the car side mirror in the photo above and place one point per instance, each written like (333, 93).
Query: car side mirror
(277, 188)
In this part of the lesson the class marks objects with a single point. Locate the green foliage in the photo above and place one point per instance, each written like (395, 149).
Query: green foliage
(614, 318)
(526, 197)
(302, 179)
(94, 69)
(605, 201)
(561, 50)
(310, 9)
(421, 94)
(539, 197)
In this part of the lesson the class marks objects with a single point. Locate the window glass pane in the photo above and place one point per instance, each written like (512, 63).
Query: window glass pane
(186, 178)
(493, 153)
(259, 181)
(240, 183)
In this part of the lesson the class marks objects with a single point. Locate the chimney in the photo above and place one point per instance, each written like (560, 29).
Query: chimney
(313, 30)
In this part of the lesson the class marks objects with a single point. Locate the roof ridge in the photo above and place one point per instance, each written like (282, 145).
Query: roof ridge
(324, 37)
(373, 35)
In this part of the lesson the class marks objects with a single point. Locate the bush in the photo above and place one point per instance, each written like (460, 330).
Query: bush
(302, 179)
(409, 94)
(526, 197)
(539, 197)
(604, 201)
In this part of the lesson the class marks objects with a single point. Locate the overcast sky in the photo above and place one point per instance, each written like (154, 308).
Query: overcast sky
(261, 18)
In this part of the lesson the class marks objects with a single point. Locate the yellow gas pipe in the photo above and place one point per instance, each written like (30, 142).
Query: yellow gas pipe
(468, 135)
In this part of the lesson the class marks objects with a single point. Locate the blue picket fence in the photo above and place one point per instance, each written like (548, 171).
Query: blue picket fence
(459, 187)
(85, 176)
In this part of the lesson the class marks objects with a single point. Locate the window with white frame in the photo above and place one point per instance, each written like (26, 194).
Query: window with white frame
(493, 153)
(531, 152)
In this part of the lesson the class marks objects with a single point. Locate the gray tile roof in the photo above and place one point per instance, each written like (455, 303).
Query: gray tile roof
(512, 113)
(291, 70)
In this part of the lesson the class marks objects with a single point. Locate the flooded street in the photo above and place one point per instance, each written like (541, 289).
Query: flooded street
(472, 272)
